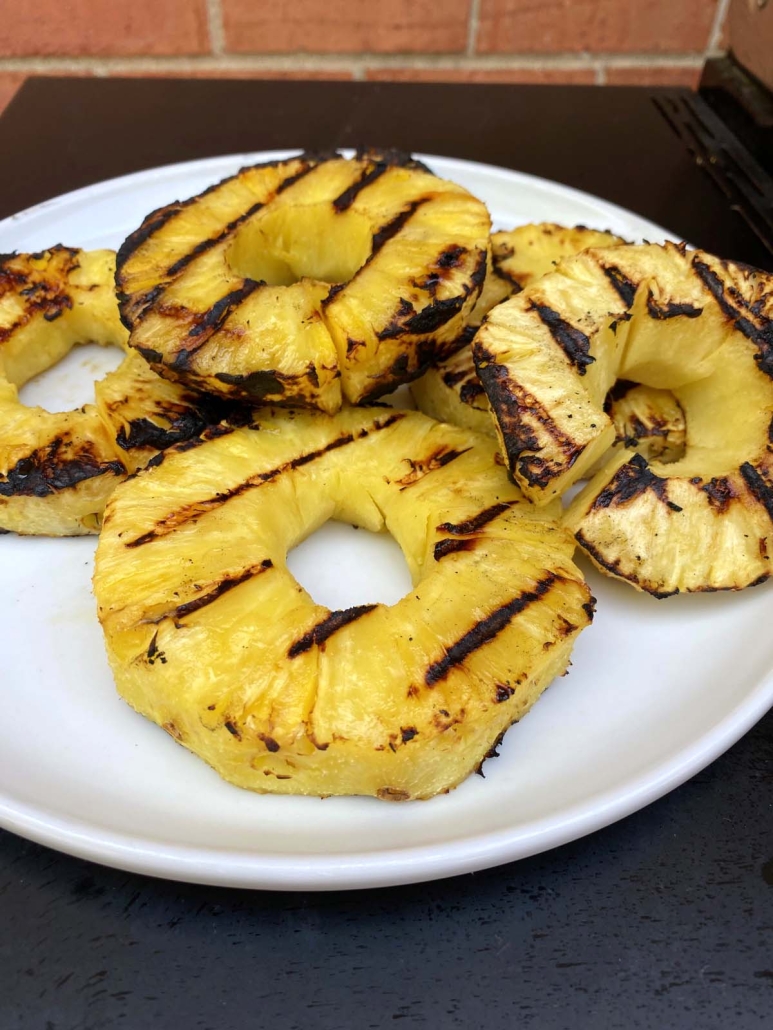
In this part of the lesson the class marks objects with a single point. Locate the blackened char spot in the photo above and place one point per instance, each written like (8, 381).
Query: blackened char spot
(626, 288)
(720, 492)
(57, 306)
(471, 392)
(318, 634)
(630, 481)
(449, 546)
(574, 343)
(503, 692)
(485, 630)
(255, 385)
(50, 469)
(421, 467)
(182, 425)
(270, 743)
(153, 653)
(759, 488)
(232, 729)
(407, 733)
(477, 522)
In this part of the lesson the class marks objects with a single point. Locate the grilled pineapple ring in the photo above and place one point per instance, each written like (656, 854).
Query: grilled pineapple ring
(294, 278)
(452, 392)
(211, 637)
(669, 318)
(57, 469)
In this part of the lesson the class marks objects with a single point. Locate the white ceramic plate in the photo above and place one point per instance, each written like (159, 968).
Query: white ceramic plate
(656, 691)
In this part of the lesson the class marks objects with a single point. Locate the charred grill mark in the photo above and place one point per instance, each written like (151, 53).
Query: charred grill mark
(319, 634)
(625, 287)
(630, 481)
(151, 224)
(255, 385)
(671, 309)
(393, 227)
(142, 433)
(353, 345)
(191, 512)
(53, 468)
(485, 631)
(511, 403)
(477, 522)
(760, 336)
(225, 584)
(759, 488)
(450, 546)
(345, 200)
(422, 467)
(209, 322)
(720, 492)
(204, 245)
(437, 313)
(574, 343)
(615, 569)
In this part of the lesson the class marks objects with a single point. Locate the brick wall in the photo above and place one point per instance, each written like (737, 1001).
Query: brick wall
(555, 41)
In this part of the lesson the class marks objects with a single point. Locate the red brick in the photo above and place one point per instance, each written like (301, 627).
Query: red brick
(520, 75)
(597, 26)
(102, 27)
(346, 26)
(649, 76)
(8, 86)
(241, 73)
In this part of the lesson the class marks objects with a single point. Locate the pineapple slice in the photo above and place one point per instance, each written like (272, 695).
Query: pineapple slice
(683, 321)
(648, 420)
(549, 356)
(452, 392)
(211, 637)
(57, 469)
(295, 279)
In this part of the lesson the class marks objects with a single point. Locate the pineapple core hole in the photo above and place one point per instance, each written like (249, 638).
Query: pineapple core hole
(69, 384)
(341, 567)
(312, 241)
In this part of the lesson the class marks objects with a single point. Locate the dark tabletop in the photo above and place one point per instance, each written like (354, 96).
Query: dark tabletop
(662, 920)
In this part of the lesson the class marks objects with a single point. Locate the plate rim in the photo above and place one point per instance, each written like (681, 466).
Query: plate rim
(381, 868)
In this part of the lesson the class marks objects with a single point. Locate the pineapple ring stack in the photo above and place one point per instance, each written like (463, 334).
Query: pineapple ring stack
(57, 469)
(668, 318)
(211, 637)
(295, 279)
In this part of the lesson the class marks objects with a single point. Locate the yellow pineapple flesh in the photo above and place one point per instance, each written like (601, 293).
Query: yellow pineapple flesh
(295, 280)
(210, 636)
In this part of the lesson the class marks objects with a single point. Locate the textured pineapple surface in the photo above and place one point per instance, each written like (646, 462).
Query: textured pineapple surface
(294, 279)
(56, 469)
(671, 319)
(452, 392)
(211, 637)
